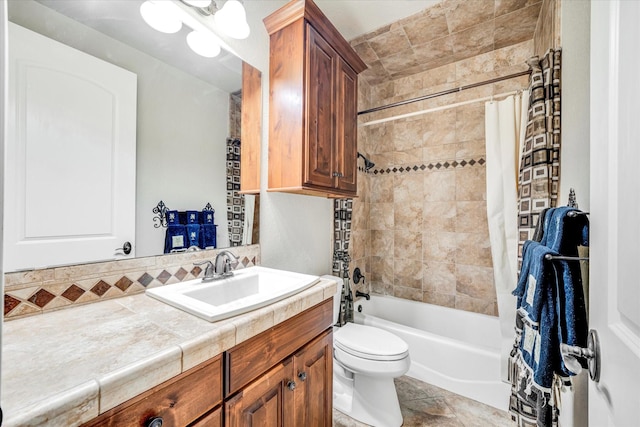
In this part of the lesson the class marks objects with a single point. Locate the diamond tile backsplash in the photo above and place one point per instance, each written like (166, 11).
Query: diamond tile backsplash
(37, 291)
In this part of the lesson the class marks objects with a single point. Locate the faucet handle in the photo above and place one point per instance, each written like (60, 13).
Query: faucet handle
(208, 270)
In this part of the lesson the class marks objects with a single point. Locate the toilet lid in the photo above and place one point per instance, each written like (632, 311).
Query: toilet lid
(369, 342)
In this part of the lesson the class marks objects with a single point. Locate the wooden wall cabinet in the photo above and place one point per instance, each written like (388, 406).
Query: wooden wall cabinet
(313, 80)
(251, 130)
(281, 377)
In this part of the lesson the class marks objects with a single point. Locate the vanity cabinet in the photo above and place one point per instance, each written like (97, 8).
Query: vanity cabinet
(280, 377)
(312, 104)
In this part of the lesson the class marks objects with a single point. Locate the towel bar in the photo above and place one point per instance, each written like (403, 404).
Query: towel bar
(550, 257)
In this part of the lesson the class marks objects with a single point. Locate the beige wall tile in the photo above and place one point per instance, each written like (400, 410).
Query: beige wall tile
(381, 216)
(470, 122)
(381, 242)
(439, 278)
(408, 273)
(408, 215)
(407, 134)
(476, 282)
(407, 244)
(389, 43)
(381, 189)
(473, 249)
(471, 149)
(462, 14)
(471, 183)
(439, 299)
(472, 217)
(476, 305)
(382, 270)
(516, 27)
(426, 26)
(439, 216)
(435, 153)
(439, 247)
(474, 41)
(439, 128)
(507, 6)
(440, 186)
(407, 293)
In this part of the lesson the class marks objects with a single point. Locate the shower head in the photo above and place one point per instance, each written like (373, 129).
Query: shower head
(368, 164)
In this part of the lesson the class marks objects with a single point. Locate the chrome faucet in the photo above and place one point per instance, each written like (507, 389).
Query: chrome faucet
(209, 271)
(225, 263)
(222, 267)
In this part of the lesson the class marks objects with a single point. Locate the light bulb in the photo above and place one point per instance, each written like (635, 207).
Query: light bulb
(232, 20)
(198, 3)
(158, 18)
(203, 44)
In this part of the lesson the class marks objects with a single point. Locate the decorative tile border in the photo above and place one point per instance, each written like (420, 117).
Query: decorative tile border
(438, 165)
(37, 291)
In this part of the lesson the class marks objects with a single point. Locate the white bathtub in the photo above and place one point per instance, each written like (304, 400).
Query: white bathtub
(452, 349)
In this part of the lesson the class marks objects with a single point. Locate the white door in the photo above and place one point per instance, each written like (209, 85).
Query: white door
(70, 155)
(615, 210)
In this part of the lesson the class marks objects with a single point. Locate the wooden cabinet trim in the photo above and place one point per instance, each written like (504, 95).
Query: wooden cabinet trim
(246, 361)
(308, 10)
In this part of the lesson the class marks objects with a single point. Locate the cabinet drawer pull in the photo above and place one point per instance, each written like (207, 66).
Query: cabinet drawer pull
(302, 376)
(155, 422)
(291, 385)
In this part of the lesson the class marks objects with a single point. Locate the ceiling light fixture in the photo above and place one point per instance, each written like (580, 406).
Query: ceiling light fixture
(198, 3)
(203, 44)
(159, 18)
(232, 20)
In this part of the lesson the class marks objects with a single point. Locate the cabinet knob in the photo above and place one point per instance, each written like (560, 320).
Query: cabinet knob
(291, 385)
(302, 376)
(154, 422)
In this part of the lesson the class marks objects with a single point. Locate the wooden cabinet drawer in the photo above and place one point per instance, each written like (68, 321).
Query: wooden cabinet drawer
(179, 401)
(248, 360)
(212, 419)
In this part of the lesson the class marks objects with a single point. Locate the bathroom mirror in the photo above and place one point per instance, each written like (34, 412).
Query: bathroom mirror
(185, 106)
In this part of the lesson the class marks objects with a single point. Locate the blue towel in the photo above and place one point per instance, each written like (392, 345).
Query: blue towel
(550, 298)
(176, 235)
(536, 302)
(193, 229)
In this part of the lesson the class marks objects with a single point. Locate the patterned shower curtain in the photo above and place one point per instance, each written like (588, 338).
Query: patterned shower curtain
(235, 201)
(538, 182)
(342, 213)
(538, 186)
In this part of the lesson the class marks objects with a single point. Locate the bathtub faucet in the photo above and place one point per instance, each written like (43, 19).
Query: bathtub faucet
(362, 294)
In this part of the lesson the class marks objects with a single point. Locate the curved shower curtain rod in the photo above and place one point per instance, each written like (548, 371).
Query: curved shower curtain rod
(445, 92)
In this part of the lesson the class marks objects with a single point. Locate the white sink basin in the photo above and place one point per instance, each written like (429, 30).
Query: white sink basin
(248, 289)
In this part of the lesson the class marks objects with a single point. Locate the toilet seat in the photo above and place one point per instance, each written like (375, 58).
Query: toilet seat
(370, 343)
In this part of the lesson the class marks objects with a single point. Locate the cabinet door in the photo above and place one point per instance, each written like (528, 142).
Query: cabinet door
(320, 84)
(268, 401)
(314, 373)
(346, 148)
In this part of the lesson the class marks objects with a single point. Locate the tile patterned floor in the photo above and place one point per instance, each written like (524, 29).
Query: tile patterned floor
(425, 405)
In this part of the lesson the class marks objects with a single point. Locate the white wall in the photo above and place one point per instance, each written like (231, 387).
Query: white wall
(574, 154)
(181, 128)
(295, 231)
(3, 103)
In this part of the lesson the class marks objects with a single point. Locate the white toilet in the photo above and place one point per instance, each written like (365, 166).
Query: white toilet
(366, 360)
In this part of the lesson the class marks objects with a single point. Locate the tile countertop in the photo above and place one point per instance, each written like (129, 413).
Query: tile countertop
(67, 367)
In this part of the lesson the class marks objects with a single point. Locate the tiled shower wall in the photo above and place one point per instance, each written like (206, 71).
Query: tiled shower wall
(420, 226)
